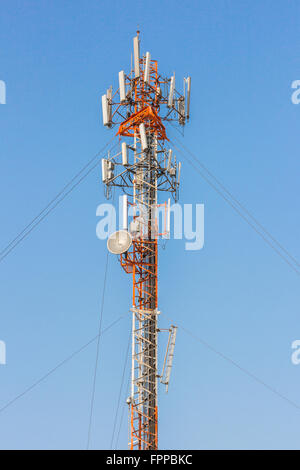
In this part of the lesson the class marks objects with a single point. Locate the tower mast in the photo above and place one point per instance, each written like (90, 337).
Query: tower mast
(143, 168)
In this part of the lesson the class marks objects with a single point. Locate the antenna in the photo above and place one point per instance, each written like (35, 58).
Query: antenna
(143, 137)
(109, 100)
(188, 97)
(105, 111)
(136, 52)
(179, 170)
(171, 92)
(169, 160)
(124, 154)
(104, 170)
(119, 242)
(147, 68)
(122, 86)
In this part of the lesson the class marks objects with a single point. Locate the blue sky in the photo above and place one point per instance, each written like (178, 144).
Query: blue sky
(56, 59)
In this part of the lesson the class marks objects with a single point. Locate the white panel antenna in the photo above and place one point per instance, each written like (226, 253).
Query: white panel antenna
(110, 170)
(104, 170)
(179, 170)
(147, 68)
(181, 110)
(171, 92)
(109, 109)
(136, 52)
(124, 154)
(169, 160)
(122, 86)
(188, 96)
(105, 110)
(143, 137)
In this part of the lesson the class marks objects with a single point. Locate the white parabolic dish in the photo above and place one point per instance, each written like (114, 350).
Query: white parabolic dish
(119, 242)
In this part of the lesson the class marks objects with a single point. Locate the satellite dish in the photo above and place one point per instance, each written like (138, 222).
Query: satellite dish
(119, 242)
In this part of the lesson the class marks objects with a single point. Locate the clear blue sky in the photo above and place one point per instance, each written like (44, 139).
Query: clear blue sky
(57, 58)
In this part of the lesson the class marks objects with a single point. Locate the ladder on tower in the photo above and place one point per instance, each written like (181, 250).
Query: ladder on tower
(169, 356)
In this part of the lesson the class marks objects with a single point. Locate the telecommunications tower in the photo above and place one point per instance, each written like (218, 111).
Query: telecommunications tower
(144, 168)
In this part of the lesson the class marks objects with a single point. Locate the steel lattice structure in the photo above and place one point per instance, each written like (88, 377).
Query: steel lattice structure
(143, 168)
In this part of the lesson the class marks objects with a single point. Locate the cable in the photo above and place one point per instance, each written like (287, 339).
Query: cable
(42, 215)
(123, 409)
(97, 355)
(56, 197)
(235, 364)
(120, 391)
(47, 213)
(238, 211)
(239, 203)
(64, 361)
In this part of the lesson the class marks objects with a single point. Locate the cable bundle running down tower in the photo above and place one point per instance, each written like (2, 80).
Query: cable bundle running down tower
(143, 168)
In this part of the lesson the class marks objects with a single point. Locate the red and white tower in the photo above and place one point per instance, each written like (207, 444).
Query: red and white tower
(144, 168)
